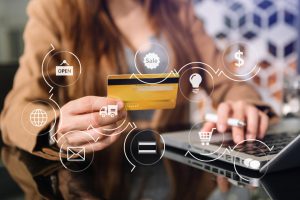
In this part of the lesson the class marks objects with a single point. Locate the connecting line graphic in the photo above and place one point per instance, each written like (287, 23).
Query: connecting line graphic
(137, 161)
(228, 150)
(124, 148)
(51, 88)
(243, 75)
(219, 72)
(43, 63)
(252, 140)
(53, 136)
(112, 129)
(213, 159)
(130, 125)
(52, 49)
(197, 62)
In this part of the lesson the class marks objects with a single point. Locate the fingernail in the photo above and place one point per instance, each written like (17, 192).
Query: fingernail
(120, 105)
(249, 136)
(222, 128)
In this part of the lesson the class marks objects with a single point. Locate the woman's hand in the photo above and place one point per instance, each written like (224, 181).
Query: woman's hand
(256, 120)
(79, 114)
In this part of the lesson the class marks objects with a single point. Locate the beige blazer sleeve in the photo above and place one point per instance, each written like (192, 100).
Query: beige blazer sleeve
(42, 29)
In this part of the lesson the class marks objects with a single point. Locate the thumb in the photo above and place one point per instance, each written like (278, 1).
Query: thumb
(208, 126)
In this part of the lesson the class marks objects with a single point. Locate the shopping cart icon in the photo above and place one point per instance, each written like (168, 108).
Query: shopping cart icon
(205, 137)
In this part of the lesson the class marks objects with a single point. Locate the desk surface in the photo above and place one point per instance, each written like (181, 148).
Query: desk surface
(41, 178)
(246, 183)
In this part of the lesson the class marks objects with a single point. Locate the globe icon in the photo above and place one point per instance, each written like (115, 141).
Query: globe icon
(38, 117)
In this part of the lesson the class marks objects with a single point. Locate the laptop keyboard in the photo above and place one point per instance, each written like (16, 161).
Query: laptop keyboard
(279, 141)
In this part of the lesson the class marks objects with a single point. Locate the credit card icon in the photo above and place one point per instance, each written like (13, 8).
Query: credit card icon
(147, 147)
(144, 92)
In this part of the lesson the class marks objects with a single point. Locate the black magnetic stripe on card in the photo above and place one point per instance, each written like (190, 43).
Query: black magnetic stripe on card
(139, 81)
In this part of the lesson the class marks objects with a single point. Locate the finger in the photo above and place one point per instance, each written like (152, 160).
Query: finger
(110, 126)
(78, 138)
(110, 129)
(82, 138)
(91, 104)
(223, 112)
(263, 125)
(101, 144)
(252, 122)
(82, 122)
(238, 113)
(208, 126)
(223, 184)
(98, 120)
(76, 122)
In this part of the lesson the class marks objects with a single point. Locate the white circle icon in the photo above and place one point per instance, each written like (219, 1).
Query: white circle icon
(151, 61)
(250, 163)
(38, 117)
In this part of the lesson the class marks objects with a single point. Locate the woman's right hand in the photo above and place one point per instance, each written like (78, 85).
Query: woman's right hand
(79, 114)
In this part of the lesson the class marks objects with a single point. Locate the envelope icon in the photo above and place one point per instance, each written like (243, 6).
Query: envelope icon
(75, 154)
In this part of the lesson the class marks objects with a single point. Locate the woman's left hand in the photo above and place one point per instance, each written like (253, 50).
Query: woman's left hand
(256, 120)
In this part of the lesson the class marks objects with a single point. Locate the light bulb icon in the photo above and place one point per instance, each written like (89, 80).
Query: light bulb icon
(195, 80)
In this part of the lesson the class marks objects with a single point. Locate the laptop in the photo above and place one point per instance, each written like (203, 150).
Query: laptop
(271, 183)
(279, 149)
(219, 168)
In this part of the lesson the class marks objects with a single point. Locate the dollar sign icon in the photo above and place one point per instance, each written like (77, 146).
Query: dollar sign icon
(238, 57)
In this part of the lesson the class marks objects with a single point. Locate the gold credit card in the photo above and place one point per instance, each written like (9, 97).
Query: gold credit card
(144, 92)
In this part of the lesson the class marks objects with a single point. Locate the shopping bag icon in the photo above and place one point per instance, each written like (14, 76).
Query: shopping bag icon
(75, 154)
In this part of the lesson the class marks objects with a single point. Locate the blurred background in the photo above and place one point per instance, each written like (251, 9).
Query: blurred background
(12, 22)
(12, 19)
(270, 25)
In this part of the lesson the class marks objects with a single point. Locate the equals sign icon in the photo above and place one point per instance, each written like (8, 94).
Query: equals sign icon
(147, 147)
